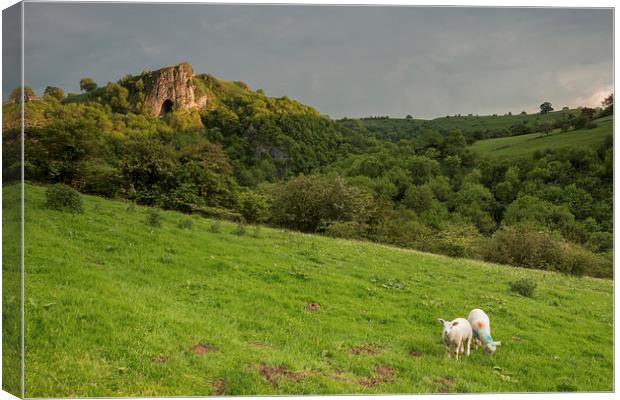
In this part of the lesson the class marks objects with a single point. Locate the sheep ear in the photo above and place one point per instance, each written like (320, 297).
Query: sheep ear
(498, 343)
(455, 323)
(441, 321)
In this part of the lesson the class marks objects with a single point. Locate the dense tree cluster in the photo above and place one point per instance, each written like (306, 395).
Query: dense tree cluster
(410, 183)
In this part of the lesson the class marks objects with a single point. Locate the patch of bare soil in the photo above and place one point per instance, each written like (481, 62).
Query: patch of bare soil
(369, 349)
(202, 348)
(273, 373)
(414, 353)
(312, 307)
(383, 374)
(219, 387)
(445, 384)
(160, 359)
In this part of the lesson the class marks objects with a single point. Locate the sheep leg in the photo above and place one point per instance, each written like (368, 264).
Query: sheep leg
(457, 350)
(448, 351)
(468, 345)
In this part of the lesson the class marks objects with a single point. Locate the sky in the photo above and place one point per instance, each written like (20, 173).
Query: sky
(343, 60)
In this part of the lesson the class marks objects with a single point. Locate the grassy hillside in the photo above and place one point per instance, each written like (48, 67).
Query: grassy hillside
(522, 146)
(115, 307)
(408, 128)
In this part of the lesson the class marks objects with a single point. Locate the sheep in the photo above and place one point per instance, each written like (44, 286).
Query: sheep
(455, 334)
(481, 326)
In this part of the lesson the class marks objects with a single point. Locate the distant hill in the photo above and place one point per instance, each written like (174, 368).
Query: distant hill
(525, 145)
(474, 127)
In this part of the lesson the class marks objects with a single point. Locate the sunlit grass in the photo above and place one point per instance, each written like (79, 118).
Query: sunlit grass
(115, 307)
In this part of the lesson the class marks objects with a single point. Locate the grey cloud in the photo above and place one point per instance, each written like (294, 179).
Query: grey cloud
(344, 60)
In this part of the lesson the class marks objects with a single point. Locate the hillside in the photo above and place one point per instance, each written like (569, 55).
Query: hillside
(115, 307)
(514, 147)
(475, 126)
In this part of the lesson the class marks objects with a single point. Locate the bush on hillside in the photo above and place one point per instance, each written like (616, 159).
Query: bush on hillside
(64, 198)
(525, 287)
(311, 203)
(529, 247)
(153, 218)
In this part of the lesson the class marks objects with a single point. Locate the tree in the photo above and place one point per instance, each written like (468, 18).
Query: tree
(55, 92)
(546, 108)
(588, 112)
(87, 85)
(608, 105)
(16, 94)
(408, 116)
(545, 127)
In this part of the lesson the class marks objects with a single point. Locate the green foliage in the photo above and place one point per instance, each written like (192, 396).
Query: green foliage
(185, 224)
(240, 228)
(546, 108)
(87, 85)
(525, 287)
(215, 227)
(54, 92)
(63, 198)
(253, 206)
(311, 203)
(16, 94)
(153, 218)
(407, 182)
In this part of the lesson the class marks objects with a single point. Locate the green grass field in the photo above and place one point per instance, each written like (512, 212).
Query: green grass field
(522, 146)
(115, 307)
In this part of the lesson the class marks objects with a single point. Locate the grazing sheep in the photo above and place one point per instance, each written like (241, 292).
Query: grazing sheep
(481, 326)
(455, 334)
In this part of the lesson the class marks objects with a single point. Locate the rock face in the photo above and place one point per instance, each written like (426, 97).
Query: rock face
(171, 89)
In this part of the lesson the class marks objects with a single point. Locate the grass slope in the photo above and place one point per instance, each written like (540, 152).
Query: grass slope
(524, 145)
(117, 308)
(410, 127)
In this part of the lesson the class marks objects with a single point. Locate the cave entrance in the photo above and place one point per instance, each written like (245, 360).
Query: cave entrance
(166, 107)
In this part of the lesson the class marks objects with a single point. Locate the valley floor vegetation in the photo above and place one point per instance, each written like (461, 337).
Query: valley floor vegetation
(411, 183)
(122, 303)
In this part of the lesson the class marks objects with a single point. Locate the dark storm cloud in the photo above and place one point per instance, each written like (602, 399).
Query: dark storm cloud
(346, 61)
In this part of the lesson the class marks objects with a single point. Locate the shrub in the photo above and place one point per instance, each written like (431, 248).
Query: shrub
(523, 246)
(347, 230)
(310, 203)
(524, 287)
(64, 198)
(253, 206)
(185, 224)
(215, 227)
(240, 229)
(153, 218)
(256, 231)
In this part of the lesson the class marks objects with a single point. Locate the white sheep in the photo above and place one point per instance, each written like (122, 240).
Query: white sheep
(455, 334)
(481, 326)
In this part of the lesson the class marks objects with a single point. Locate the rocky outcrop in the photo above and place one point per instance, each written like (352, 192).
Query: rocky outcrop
(171, 89)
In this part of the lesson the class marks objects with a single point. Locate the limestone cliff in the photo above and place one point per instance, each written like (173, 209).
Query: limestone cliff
(172, 88)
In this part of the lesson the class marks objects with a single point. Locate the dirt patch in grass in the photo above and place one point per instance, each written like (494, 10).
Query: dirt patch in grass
(368, 348)
(414, 353)
(202, 348)
(445, 384)
(273, 373)
(313, 307)
(160, 359)
(383, 374)
(219, 387)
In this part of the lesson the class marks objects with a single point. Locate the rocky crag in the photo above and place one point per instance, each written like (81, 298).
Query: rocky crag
(172, 89)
